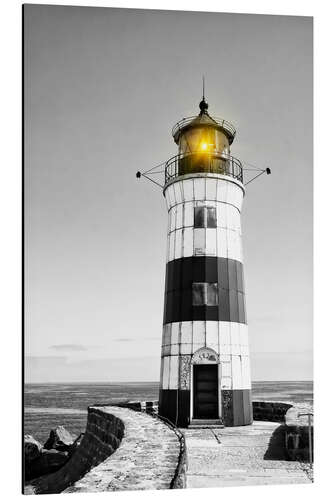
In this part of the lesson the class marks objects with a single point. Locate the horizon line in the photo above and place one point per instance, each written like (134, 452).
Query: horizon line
(148, 381)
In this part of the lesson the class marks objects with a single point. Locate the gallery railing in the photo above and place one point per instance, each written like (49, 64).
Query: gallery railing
(215, 163)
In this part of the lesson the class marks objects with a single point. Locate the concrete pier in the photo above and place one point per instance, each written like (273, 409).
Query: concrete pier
(240, 456)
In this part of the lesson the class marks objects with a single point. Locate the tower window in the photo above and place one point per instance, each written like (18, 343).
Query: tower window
(205, 294)
(211, 216)
(204, 217)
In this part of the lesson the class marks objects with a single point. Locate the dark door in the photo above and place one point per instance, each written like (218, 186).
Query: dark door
(205, 386)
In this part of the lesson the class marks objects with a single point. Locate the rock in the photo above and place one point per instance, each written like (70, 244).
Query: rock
(47, 462)
(29, 490)
(60, 439)
(32, 448)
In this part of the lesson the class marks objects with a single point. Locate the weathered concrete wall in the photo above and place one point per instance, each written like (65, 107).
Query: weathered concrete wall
(102, 437)
(121, 449)
(270, 411)
(145, 406)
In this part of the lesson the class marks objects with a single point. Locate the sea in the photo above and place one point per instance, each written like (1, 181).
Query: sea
(48, 405)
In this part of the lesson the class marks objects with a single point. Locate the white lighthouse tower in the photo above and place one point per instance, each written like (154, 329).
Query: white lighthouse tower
(205, 367)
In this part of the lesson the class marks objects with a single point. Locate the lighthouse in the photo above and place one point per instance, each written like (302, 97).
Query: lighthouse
(205, 365)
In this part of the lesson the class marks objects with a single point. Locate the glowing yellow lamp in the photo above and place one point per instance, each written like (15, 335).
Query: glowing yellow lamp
(204, 146)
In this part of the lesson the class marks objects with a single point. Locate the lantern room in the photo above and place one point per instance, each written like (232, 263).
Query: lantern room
(203, 146)
(203, 133)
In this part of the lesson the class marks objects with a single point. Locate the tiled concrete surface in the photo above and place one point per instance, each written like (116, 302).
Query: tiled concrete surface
(239, 456)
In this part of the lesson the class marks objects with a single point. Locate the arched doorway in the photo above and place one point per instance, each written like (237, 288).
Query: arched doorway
(205, 385)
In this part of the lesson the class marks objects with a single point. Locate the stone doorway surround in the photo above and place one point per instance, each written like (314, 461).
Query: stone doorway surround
(205, 356)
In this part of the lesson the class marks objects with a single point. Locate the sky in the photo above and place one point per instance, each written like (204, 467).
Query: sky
(103, 88)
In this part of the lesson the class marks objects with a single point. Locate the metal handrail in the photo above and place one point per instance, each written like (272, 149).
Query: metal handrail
(221, 123)
(198, 162)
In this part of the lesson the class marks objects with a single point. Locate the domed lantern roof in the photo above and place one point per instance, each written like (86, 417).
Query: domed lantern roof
(203, 120)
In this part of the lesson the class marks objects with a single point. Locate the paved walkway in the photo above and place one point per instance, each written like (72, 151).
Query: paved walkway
(146, 458)
(239, 456)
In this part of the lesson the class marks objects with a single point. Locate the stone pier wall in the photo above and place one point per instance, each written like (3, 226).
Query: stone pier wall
(122, 449)
(102, 437)
(270, 411)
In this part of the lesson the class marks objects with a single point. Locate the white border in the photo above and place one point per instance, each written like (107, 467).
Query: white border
(10, 242)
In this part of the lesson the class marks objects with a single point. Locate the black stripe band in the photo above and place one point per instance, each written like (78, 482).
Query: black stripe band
(182, 273)
(236, 406)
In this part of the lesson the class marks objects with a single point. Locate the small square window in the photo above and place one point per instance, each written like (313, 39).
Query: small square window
(204, 217)
(204, 294)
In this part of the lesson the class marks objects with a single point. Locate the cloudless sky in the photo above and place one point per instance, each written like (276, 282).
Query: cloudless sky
(103, 88)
